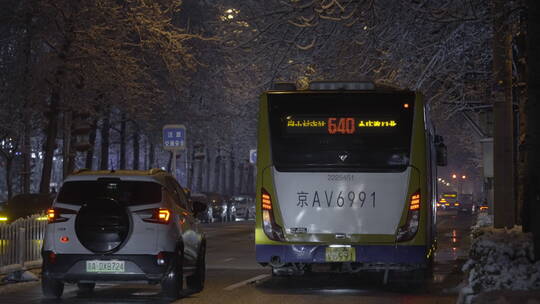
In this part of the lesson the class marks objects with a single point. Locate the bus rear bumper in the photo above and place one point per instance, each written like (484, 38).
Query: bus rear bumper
(364, 254)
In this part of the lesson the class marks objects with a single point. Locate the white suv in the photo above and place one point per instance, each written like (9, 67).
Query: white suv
(123, 226)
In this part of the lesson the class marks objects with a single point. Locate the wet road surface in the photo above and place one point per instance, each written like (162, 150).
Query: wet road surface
(234, 277)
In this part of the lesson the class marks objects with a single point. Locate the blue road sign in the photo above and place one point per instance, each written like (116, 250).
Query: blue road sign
(253, 156)
(174, 137)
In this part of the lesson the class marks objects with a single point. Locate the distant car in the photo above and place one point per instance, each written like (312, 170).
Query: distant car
(449, 201)
(219, 205)
(24, 205)
(123, 226)
(244, 207)
(466, 204)
(483, 206)
(206, 216)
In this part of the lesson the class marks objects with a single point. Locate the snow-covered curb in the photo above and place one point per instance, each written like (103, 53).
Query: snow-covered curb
(499, 259)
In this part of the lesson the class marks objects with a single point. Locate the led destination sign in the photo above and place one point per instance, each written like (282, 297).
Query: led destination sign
(336, 125)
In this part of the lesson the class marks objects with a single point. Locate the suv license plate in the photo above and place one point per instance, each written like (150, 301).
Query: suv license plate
(105, 266)
(340, 254)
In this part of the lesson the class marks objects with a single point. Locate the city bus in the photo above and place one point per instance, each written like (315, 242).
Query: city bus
(346, 179)
(449, 200)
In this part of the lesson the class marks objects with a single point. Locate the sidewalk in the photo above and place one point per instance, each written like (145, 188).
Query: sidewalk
(509, 297)
(501, 267)
(7, 287)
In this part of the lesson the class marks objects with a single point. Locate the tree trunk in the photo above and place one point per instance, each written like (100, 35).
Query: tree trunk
(56, 99)
(144, 144)
(250, 187)
(231, 176)
(503, 136)
(169, 163)
(105, 136)
(26, 155)
(50, 141)
(223, 176)
(136, 144)
(197, 174)
(26, 148)
(217, 175)
(240, 177)
(66, 144)
(531, 208)
(207, 171)
(72, 153)
(191, 170)
(89, 163)
(123, 142)
(9, 186)
(151, 156)
(520, 62)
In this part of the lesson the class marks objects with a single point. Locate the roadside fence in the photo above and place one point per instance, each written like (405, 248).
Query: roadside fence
(21, 242)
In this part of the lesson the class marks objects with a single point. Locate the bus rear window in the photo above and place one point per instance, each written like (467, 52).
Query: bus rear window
(128, 193)
(341, 131)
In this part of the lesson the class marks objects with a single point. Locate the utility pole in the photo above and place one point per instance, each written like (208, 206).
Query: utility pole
(503, 135)
(531, 208)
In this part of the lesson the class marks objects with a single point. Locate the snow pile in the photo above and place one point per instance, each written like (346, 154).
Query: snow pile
(500, 259)
(483, 220)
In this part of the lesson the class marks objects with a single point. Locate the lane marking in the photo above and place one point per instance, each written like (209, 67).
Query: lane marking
(228, 260)
(232, 267)
(248, 281)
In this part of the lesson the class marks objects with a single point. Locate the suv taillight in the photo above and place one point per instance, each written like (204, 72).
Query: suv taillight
(156, 215)
(272, 230)
(408, 231)
(54, 215)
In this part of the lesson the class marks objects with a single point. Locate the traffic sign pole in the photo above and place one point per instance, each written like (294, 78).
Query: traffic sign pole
(173, 166)
(174, 139)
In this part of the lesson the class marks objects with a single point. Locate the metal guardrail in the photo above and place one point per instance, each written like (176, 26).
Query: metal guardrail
(21, 242)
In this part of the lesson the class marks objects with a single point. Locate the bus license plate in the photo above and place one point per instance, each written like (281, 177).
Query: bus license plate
(105, 266)
(340, 254)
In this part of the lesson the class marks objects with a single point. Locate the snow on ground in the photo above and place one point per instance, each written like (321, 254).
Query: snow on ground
(499, 260)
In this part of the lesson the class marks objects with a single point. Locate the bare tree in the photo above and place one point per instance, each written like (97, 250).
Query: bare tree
(89, 55)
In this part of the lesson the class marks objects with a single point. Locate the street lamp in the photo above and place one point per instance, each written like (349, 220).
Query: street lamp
(459, 181)
(229, 14)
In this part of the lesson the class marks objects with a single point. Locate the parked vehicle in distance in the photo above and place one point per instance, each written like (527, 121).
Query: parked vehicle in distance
(466, 203)
(121, 226)
(449, 201)
(219, 205)
(483, 206)
(206, 216)
(244, 207)
(24, 205)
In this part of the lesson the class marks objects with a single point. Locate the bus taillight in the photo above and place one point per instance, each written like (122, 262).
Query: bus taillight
(415, 202)
(408, 231)
(266, 201)
(272, 230)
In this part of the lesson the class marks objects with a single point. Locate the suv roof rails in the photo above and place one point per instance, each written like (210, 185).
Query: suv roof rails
(156, 171)
(80, 170)
(342, 85)
(283, 86)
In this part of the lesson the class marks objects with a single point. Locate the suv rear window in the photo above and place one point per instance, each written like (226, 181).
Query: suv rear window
(127, 192)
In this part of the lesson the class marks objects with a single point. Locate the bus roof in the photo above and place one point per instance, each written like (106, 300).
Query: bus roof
(333, 86)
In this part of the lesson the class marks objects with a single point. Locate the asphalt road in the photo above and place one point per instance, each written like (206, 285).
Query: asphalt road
(234, 277)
